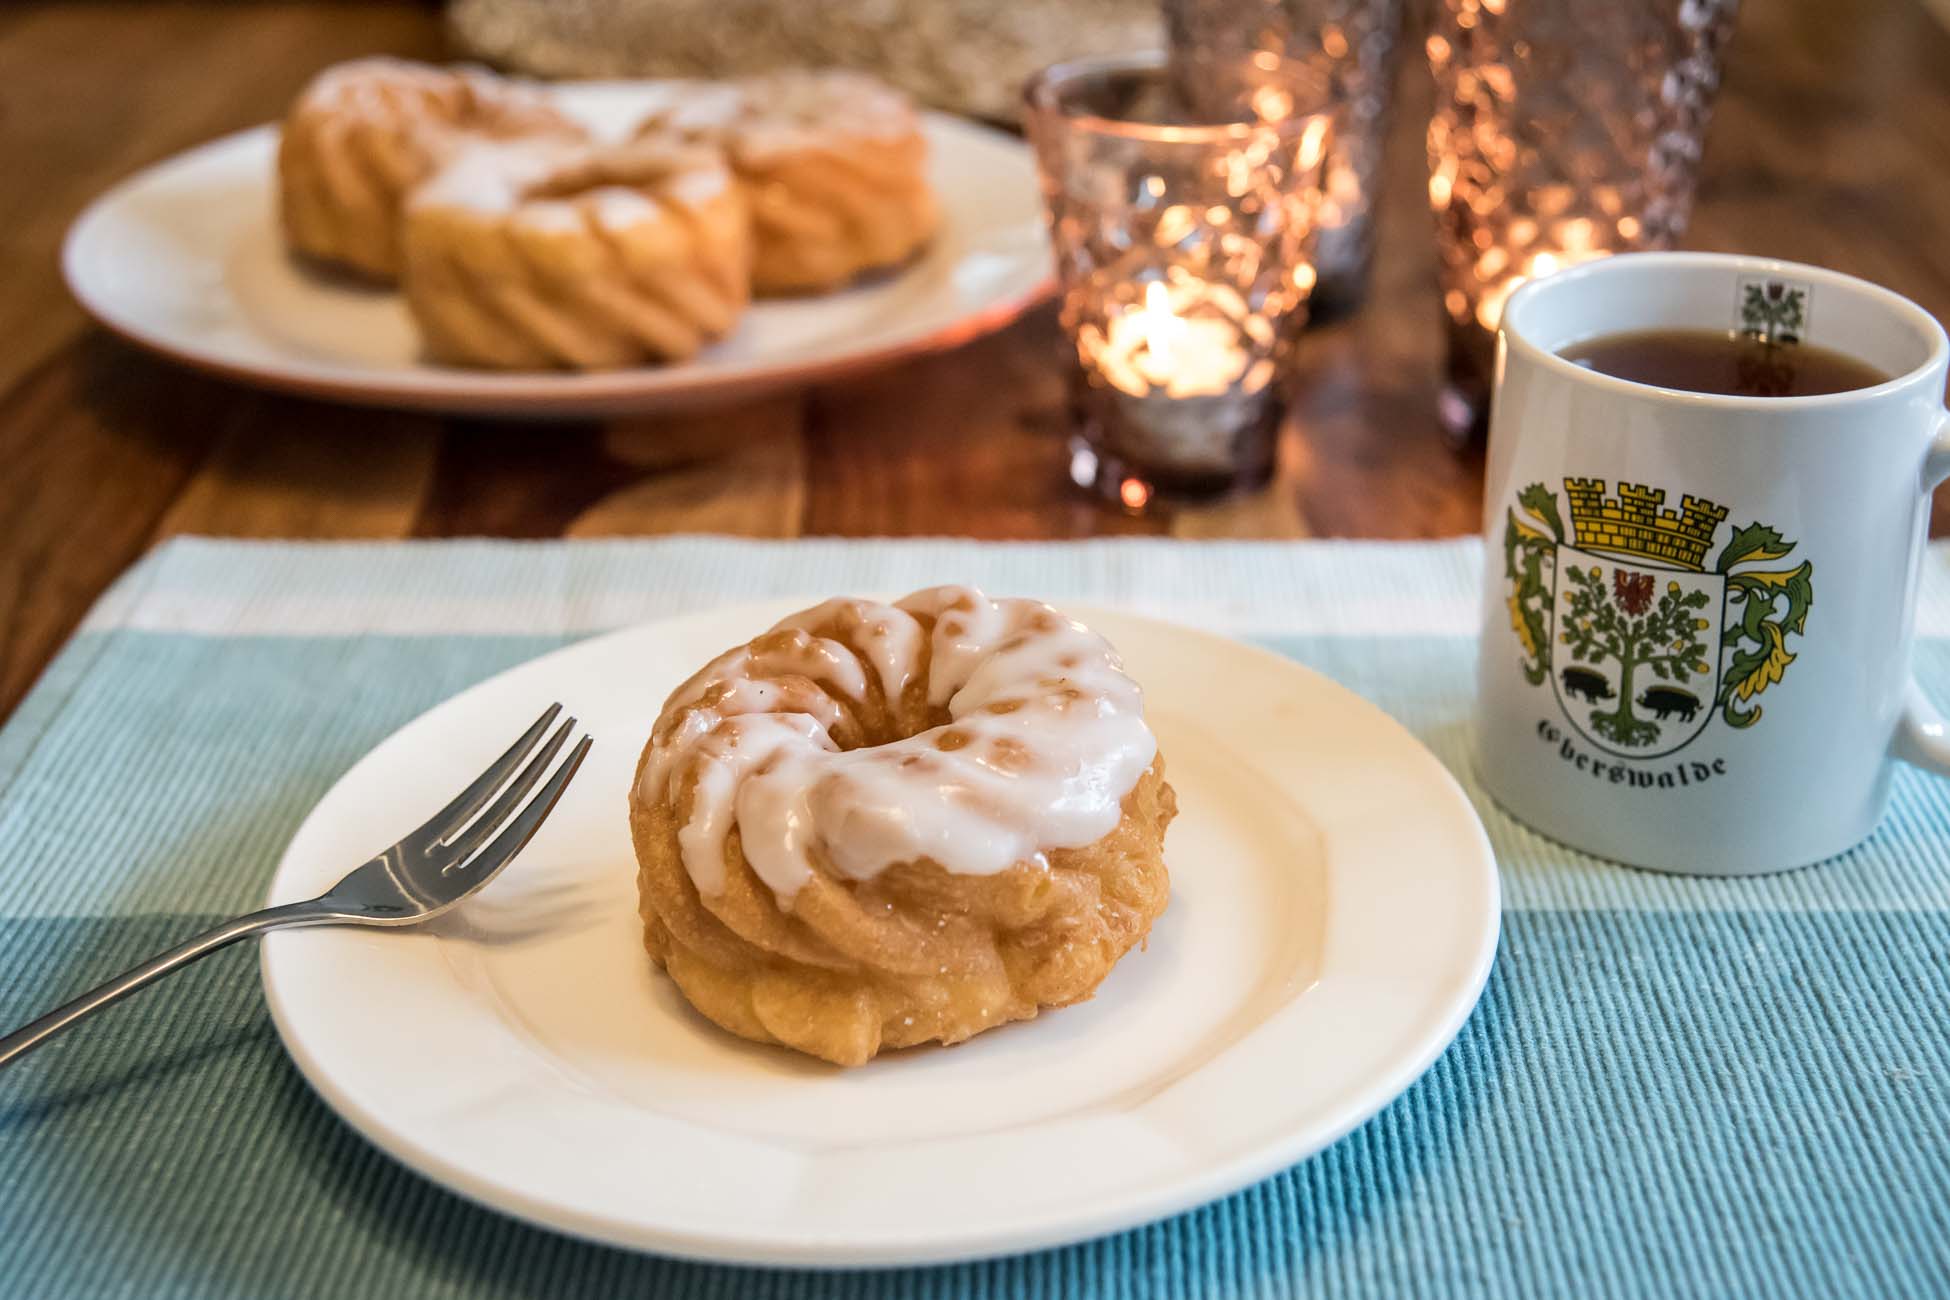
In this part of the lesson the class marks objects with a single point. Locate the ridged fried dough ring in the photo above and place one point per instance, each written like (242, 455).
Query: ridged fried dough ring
(363, 134)
(875, 826)
(535, 256)
(833, 165)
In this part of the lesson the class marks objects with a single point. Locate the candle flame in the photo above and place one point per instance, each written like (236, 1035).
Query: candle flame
(1162, 328)
(1176, 341)
(1313, 143)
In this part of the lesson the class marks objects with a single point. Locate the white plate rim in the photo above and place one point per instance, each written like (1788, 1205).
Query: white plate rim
(1086, 1223)
(512, 394)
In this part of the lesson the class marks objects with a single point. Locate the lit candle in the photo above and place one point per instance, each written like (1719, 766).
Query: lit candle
(1181, 233)
(1171, 346)
(1183, 376)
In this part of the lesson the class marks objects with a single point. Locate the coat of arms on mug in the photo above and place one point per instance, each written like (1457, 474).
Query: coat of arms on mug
(1643, 641)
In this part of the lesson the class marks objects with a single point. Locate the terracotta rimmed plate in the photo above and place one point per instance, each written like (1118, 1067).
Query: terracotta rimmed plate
(185, 259)
(1333, 917)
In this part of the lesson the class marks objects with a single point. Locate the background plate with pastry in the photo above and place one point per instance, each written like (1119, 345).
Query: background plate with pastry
(271, 256)
(1332, 914)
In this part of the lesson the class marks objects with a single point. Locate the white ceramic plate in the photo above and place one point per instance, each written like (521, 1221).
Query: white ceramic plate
(1332, 920)
(185, 259)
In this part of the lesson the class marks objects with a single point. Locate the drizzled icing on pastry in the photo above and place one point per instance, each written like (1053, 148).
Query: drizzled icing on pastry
(1046, 737)
(760, 118)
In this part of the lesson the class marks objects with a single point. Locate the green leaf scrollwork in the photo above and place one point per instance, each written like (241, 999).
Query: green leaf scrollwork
(1530, 542)
(1763, 608)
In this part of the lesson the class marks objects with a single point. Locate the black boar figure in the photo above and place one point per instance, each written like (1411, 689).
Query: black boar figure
(1665, 701)
(1582, 681)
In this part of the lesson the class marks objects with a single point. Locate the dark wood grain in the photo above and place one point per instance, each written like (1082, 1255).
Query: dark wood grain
(1831, 144)
(96, 444)
(969, 442)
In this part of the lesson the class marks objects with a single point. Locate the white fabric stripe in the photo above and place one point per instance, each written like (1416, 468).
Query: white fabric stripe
(220, 587)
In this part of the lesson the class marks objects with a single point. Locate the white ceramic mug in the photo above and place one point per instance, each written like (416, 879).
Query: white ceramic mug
(1698, 608)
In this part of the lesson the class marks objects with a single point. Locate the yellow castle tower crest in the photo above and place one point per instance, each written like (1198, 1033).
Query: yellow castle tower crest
(1633, 523)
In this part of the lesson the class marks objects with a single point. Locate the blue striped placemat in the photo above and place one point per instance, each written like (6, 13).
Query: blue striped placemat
(1672, 1087)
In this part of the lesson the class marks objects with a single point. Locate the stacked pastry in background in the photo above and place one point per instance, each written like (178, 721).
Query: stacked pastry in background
(832, 166)
(522, 243)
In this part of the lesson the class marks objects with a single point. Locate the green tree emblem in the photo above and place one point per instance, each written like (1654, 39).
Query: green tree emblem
(1773, 312)
(1643, 629)
(1625, 621)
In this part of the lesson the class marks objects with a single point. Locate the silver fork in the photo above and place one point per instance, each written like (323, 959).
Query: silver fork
(425, 874)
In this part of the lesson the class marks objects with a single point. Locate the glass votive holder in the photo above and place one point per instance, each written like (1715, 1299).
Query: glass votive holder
(1182, 241)
(1562, 131)
(1351, 45)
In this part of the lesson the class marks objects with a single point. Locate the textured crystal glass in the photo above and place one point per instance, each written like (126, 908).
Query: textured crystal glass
(1563, 130)
(1349, 45)
(1182, 241)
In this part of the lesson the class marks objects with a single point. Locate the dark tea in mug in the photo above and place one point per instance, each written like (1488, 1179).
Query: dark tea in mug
(1723, 361)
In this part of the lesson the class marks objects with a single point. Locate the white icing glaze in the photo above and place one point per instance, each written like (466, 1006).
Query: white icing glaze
(1046, 737)
(618, 209)
(547, 181)
(761, 118)
(892, 636)
(489, 177)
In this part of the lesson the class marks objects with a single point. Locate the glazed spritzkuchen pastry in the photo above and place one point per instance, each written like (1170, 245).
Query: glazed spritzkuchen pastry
(834, 166)
(534, 255)
(364, 133)
(875, 826)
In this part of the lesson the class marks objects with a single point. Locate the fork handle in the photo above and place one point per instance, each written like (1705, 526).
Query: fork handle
(30, 1036)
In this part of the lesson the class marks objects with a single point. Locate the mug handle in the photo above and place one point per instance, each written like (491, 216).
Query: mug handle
(1923, 737)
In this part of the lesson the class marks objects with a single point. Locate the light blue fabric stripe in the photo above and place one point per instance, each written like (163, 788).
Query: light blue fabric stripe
(176, 769)
(210, 750)
(1672, 1088)
(1646, 1104)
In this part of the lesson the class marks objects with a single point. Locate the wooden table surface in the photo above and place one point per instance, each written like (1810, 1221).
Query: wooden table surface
(1831, 144)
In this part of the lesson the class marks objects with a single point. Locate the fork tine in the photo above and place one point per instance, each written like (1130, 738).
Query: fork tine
(469, 801)
(464, 844)
(512, 840)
